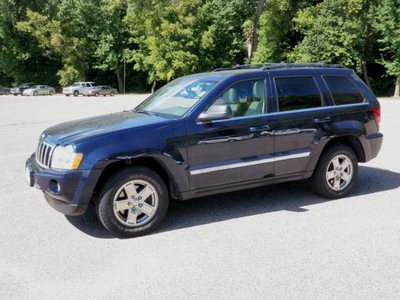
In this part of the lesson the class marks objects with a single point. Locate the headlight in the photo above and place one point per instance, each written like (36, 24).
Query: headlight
(65, 158)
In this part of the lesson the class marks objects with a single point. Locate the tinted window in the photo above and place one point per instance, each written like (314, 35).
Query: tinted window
(343, 90)
(246, 98)
(297, 93)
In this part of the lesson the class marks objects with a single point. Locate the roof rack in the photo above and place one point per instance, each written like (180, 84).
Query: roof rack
(282, 65)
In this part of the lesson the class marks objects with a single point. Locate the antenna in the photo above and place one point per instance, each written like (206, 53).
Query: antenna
(124, 82)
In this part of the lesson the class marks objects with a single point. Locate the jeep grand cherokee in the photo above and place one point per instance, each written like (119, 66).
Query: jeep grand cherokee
(211, 133)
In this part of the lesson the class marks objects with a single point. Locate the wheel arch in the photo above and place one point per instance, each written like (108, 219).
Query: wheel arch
(350, 141)
(148, 162)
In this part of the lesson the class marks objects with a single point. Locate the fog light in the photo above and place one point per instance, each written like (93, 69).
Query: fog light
(54, 186)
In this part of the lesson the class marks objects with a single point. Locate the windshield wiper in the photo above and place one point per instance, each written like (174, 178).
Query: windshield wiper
(147, 112)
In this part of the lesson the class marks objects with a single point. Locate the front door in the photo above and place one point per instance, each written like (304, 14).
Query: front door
(237, 149)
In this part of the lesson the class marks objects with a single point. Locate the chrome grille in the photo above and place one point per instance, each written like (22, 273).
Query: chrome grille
(43, 154)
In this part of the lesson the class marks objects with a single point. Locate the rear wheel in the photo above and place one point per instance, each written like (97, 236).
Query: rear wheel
(51, 93)
(336, 173)
(112, 94)
(96, 94)
(133, 202)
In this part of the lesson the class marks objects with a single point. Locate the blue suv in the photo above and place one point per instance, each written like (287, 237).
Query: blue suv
(210, 133)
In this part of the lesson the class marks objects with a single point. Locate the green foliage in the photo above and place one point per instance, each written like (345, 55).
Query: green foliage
(61, 41)
(179, 37)
(387, 21)
(168, 37)
(332, 32)
(20, 57)
(277, 35)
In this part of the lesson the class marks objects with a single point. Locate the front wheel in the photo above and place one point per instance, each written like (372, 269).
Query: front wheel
(336, 173)
(76, 93)
(133, 202)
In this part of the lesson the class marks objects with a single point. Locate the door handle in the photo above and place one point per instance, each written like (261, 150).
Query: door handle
(261, 128)
(322, 120)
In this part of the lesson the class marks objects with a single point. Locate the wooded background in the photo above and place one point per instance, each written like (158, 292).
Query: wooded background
(57, 42)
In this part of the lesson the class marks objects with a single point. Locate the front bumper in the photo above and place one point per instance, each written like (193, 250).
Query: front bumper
(67, 92)
(65, 191)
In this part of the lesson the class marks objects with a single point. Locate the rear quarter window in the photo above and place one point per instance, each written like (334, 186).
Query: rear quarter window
(343, 90)
(297, 93)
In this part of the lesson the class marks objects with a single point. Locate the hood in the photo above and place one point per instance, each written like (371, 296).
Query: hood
(79, 130)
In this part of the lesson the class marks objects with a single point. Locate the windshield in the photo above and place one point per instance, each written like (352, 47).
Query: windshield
(35, 87)
(177, 97)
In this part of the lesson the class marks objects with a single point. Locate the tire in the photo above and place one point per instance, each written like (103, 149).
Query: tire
(76, 93)
(336, 173)
(35, 93)
(112, 94)
(51, 93)
(127, 218)
(96, 94)
(67, 95)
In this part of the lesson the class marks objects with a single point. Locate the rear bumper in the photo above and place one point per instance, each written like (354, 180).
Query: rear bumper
(65, 191)
(372, 146)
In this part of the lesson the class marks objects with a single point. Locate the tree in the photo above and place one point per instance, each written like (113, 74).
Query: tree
(230, 32)
(387, 18)
(337, 31)
(276, 34)
(20, 57)
(85, 34)
(169, 37)
(176, 38)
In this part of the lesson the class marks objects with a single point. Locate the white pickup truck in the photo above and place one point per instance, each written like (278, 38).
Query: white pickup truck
(78, 88)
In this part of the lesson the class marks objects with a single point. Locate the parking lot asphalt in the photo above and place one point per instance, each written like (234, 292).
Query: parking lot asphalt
(275, 242)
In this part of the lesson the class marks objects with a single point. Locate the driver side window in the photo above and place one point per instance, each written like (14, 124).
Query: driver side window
(246, 98)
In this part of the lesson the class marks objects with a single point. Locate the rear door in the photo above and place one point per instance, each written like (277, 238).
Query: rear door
(302, 120)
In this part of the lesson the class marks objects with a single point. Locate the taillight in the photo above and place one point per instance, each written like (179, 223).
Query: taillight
(377, 115)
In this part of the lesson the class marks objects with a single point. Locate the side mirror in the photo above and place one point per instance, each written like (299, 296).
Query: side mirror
(216, 112)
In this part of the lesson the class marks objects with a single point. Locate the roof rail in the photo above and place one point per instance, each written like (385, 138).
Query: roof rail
(282, 65)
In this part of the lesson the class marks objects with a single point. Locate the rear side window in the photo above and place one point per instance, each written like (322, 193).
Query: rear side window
(343, 90)
(297, 93)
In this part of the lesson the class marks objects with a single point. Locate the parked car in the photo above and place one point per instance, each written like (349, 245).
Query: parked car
(22, 87)
(210, 133)
(78, 88)
(4, 90)
(39, 90)
(100, 90)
